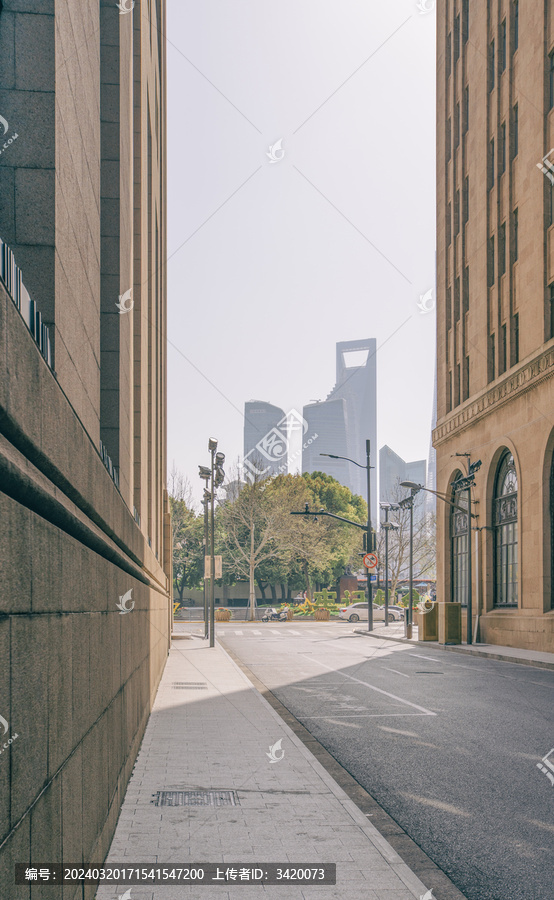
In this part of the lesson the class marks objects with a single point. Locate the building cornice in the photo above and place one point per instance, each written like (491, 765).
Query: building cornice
(529, 376)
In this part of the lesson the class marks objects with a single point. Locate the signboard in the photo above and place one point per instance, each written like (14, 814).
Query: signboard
(218, 566)
(370, 561)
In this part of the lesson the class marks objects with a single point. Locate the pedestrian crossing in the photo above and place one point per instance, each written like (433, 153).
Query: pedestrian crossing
(279, 632)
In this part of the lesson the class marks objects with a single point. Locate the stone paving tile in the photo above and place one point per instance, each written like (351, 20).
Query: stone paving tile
(291, 812)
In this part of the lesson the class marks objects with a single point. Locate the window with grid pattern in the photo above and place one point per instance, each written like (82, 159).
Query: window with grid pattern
(505, 514)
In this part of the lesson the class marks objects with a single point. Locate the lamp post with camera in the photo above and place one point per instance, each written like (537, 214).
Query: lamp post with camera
(215, 475)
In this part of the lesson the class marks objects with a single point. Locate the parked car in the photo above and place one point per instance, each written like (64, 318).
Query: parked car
(357, 612)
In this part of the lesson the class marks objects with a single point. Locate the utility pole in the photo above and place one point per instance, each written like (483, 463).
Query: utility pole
(215, 475)
(370, 546)
(387, 526)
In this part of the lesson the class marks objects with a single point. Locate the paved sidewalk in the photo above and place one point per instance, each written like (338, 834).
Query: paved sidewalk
(214, 733)
(536, 658)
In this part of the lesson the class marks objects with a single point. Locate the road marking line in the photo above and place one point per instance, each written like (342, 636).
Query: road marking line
(238, 632)
(418, 656)
(395, 670)
(422, 709)
(368, 716)
(256, 632)
(295, 632)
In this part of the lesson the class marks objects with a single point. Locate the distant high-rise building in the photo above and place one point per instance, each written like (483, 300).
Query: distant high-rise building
(393, 470)
(266, 436)
(346, 419)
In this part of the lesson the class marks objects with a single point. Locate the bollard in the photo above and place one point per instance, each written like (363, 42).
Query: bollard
(407, 625)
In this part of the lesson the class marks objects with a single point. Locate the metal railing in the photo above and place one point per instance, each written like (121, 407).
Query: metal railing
(10, 273)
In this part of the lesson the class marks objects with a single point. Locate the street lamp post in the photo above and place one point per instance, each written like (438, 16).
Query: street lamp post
(409, 502)
(205, 502)
(387, 526)
(212, 447)
(369, 540)
(215, 475)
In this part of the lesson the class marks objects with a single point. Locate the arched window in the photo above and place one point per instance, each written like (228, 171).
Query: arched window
(505, 533)
(458, 532)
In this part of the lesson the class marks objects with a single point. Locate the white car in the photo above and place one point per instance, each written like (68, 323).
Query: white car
(357, 612)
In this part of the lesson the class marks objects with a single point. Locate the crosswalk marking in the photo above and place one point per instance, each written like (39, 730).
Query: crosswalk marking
(281, 632)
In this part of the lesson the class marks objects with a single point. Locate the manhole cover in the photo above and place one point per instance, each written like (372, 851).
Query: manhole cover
(196, 798)
(190, 685)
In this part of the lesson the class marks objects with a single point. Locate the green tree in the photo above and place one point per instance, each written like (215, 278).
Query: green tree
(321, 547)
(187, 531)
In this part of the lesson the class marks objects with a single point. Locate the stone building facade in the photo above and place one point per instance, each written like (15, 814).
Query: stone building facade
(85, 538)
(495, 315)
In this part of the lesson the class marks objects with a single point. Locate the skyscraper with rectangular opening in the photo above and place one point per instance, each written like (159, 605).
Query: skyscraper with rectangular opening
(346, 419)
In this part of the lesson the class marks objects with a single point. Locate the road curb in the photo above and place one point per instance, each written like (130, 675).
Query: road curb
(456, 648)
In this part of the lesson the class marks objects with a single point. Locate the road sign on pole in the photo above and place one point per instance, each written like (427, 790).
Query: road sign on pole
(370, 561)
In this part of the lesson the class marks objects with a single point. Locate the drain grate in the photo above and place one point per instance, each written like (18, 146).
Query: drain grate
(190, 685)
(196, 798)
(429, 673)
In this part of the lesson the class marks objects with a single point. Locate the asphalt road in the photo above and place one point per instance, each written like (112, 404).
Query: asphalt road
(447, 744)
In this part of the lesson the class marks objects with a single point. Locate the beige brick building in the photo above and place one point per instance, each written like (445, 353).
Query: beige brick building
(82, 417)
(495, 335)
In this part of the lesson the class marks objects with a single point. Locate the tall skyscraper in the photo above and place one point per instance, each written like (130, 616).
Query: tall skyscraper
(495, 321)
(266, 440)
(346, 419)
(85, 544)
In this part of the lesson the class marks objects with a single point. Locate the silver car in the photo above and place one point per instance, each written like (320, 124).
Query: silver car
(357, 612)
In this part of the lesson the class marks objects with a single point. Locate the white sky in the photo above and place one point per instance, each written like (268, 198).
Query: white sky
(272, 264)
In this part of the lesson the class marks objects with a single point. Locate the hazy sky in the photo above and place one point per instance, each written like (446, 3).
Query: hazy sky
(272, 263)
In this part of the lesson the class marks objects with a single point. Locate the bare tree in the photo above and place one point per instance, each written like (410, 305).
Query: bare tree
(250, 521)
(424, 541)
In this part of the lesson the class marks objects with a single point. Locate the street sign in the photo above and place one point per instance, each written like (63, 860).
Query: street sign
(373, 579)
(370, 561)
(218, 566)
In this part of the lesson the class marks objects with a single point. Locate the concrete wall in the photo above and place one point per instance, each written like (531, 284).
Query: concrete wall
(78, 677)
